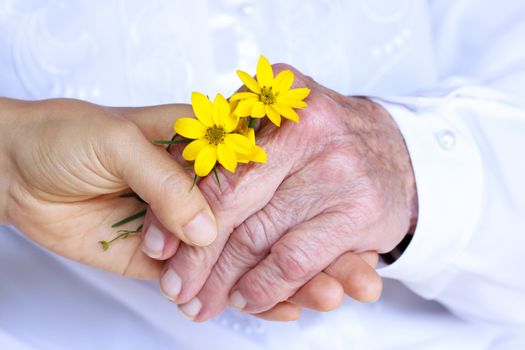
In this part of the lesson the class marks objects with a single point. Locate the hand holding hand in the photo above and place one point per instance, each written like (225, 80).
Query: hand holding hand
(67, 161)
(338, 181)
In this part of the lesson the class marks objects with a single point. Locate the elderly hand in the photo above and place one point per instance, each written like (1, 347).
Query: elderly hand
(64, 164)
(340, 180)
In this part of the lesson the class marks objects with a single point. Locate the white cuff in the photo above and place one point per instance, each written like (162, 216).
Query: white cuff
(448, 173)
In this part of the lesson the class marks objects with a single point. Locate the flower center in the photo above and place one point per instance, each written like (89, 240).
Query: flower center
(215, 135)
(267, 96)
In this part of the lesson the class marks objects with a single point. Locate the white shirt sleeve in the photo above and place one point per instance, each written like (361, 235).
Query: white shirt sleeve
(466, 139)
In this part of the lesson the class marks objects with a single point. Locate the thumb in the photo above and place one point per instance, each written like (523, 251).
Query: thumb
(161, 182)
(155, 122)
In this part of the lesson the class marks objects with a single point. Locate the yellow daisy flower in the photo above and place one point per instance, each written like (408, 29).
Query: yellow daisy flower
(268, 95)
(257, 154)
(213, 135)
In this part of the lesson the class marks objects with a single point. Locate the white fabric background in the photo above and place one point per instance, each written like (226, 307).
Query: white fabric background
(452, 73)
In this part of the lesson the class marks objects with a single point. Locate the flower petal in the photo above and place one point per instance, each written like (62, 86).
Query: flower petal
(227, 157)
(258, 110)
(233, 104)
(221, 110)
(264, 72)
(273, 115)
(257, 155)
(283, 81)
(244, 108)
(287, 112)
(250, 134)
(193, 148)
(243, 95)
(291, 102)
(249, 81)
(202, 108)
(296, 94)
(190, 128)
(205, 161)
(231, 123)
(239, 143)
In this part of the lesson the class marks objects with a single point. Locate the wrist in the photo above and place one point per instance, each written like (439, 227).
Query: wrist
(401, 162)
(389, 156)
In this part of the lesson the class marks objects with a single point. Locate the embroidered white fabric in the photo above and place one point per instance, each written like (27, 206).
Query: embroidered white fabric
(132, 52)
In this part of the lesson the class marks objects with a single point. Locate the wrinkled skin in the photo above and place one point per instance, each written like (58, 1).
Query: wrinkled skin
(340, 180)
(65, 162)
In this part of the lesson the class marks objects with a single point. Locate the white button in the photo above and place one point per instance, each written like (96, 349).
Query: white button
(447, 139)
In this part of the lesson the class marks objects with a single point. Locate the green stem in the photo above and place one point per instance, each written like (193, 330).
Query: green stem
(130, 218)
(132, 195)
(216, 176)
(252, 123)
(122, 234)
(195, 179)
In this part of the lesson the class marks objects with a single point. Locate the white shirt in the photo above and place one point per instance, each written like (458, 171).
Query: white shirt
(451, 73)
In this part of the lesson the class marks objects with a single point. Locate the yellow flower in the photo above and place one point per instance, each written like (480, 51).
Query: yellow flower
(213, 134)
(268, 95)
(257, 154)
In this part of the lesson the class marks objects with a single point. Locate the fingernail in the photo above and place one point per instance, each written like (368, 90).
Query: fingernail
(170, 284)
(202, 230)
(237, 300)
(153, 244)
(191, 309)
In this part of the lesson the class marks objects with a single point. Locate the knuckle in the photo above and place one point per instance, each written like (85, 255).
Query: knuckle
(251, 238)
(261, 288)
(228, 262)
(123, 131)
(187, 205)
(193, 266)
(279, 67)
(175, 181)
(332, 169)
(292, 262)
(220, 197)
(193, 258)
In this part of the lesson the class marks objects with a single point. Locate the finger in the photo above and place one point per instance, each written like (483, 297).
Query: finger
(157, 242)
(303, 252)
(294, 202)
(321, 293)
(155, 122)
(282, 312)
(163, 184)
(371, 258)
(359, 279)
(236, 200)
